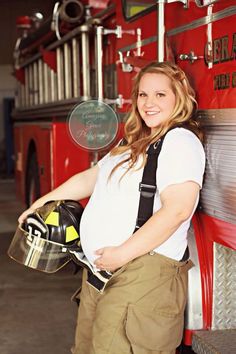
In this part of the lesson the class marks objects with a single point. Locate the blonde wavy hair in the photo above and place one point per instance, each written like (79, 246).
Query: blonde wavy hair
(137, 135)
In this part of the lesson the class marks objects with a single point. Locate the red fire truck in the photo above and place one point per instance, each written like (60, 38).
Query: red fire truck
(92, 50)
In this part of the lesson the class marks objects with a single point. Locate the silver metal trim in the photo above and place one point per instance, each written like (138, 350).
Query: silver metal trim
(230, 11)
(41, 83)
(209, 44)
(31, 85)
(60, 74)
(35, 83)
(207, 4)
(193, 311)
(54, 85)
(106, 12)
(218, 194)
(224, 116)
(27, 82)
(99, 55)
(77, 31)
(136, 45)
(192, 25)
(58, 109)
(67, 68)
(46, 83)
(76, 67)
(161, 30)
(85, 64)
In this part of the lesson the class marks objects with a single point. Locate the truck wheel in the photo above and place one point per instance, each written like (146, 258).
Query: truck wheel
(32, 180)
(184, 349)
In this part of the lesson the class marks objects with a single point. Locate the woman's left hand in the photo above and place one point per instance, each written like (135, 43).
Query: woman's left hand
(111, 258)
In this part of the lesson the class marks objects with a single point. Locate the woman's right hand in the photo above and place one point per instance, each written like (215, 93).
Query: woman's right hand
(24, 215)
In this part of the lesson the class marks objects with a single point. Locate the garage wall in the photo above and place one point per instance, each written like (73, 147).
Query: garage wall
(9, 11)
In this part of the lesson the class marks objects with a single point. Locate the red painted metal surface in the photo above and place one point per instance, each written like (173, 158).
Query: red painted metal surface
(49, 57)
(29, 138)
(24, 22)
(67, 157)
(207, 231)
(20, 75)
(205, 254)
(187, 339)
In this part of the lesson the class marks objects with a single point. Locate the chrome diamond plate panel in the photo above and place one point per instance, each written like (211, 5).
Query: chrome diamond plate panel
(218, 195)
(224, 288)
(215, 342)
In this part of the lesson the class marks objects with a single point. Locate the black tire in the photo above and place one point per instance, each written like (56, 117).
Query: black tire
(184, 349)
(32, 180)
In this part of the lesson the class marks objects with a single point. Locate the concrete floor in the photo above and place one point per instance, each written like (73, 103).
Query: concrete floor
(36, 312)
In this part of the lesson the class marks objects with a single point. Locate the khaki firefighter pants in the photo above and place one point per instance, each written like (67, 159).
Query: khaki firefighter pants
(141, 310)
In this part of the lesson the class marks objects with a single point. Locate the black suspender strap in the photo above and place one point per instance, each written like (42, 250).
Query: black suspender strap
(147, 186)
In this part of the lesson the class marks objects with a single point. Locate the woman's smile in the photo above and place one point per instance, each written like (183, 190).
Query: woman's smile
(156, 99)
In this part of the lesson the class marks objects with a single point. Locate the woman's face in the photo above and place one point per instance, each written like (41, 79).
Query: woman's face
(156, 99)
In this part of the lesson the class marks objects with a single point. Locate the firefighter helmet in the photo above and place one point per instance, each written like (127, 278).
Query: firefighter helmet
(43, 241)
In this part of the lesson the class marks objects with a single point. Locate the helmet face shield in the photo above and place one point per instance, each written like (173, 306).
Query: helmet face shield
(38, 253)
(44, 240)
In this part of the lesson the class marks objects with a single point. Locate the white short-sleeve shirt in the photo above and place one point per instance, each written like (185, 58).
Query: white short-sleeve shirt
(110, 216)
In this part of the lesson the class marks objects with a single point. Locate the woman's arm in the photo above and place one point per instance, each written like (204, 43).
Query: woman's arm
(178, 202)
(77, 187)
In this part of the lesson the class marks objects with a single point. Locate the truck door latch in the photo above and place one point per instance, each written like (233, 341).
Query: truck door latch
(192, 57)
